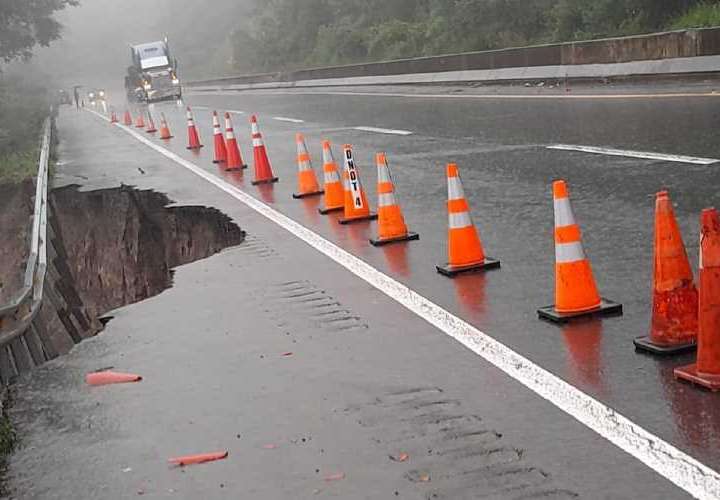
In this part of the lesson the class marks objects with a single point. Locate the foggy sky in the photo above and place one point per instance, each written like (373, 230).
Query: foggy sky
(95, 51)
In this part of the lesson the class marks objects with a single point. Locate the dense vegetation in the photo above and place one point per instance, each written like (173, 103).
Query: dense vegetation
(24, 25)
(292, 33)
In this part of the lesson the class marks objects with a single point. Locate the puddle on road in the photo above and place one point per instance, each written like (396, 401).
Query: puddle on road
(123, 243)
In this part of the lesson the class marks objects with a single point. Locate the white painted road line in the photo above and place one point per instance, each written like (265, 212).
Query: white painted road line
(228, 110)
(285, 119)
(634, 154)
(383, 130)
(678, 467)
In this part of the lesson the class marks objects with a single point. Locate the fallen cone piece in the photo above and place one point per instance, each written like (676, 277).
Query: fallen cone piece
(198, 459)
(335, 477)
(108, 377)
(400, 457)
(674, 323)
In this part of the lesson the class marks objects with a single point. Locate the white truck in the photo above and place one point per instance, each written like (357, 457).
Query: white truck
(153, 74)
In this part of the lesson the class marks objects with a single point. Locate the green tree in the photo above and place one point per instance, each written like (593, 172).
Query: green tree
(25, 24)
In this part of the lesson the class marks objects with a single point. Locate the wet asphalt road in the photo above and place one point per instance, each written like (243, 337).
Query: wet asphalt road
(507, 175)
(498, 145)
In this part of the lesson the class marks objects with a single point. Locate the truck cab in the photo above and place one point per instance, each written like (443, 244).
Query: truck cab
(153, 73)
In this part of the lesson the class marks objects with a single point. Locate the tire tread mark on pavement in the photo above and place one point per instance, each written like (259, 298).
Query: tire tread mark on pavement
(314, 307)
(453, 455)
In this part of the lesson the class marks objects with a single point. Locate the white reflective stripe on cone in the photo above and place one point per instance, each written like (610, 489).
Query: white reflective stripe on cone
(459, 220)
(255, 128)
(566, 253)
(563, 212)
(304, 165)
(190, 123)
(386, 200)
(455, 189)
(216, 130)
(257, 143)
(328, 156)
(229, 134)
(383, 174)
(331, 177)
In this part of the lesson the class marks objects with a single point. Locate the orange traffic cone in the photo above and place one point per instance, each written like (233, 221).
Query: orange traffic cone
(307, 181)
(198, 459)
(193, 137)
(164, 129)
(706, 370)
(127, 119)
(357, 207)
(334, 194)
(263, 169)
(220, 150)
(139, 121)
(575, 291)
(234, 158)
(465, 250)
(674, 323)
(113, 117)
(391, 223)
(108, 377)
(151, 124)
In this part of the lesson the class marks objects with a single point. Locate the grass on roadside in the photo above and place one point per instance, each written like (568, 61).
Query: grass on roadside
(703, 15)
(15, 167)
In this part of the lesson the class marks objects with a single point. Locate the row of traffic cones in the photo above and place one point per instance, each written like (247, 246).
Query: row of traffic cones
(682, 319)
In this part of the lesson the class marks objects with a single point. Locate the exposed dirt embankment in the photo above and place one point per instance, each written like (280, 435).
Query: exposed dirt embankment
(122, 243)
(106, 249)
(16, 207)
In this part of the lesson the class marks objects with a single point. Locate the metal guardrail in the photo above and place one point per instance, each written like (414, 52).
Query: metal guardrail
(17, 314)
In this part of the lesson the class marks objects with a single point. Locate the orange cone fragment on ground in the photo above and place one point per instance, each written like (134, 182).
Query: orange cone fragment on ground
(391, 223)
(465, 249)
(151, 124)
(706, 370)
(127, 119)
(198, 459)
(234, 159)
(334, 193)
(220, 150)
(307, 180)
(140, 121)
(193, 137)
(108, 377)
(263, 169)
(357, 207)
(164, 129)
(674, 323)
(576, 293)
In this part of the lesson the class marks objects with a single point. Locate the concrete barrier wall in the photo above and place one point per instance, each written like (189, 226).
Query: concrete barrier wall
(651, 47)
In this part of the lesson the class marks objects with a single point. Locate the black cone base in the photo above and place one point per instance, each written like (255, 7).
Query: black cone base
(386, 241)
(344, 221)
(690, 374)
(606, 308)
(451, 271)
(325, 211)
(307, 195)
(646, 344)
(265, 181)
